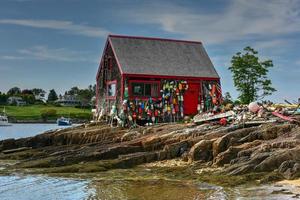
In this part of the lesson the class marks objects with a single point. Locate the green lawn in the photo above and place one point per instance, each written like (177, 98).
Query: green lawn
(33, 112)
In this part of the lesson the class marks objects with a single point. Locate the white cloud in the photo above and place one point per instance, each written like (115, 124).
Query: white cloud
(45, 53)
(60, 54)
(66, 26)
(270, 44)
(242, 19)
(9, 57)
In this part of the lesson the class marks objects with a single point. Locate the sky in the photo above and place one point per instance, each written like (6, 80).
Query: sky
(58, 43)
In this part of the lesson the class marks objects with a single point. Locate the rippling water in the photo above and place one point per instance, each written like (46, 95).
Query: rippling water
(25, 130)
(41, 187)
(48, 188)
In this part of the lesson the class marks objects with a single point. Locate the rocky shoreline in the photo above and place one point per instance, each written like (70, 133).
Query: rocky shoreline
(228, 156)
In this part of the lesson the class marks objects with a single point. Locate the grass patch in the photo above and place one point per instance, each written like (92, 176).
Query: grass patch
(33, 112)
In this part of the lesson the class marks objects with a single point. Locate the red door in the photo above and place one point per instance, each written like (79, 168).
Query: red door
(191, 96)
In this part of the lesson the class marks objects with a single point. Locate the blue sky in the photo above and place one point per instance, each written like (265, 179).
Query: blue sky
(58, 43)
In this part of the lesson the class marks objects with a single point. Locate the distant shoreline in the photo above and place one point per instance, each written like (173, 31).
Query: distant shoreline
(45, 114)
(76, 121)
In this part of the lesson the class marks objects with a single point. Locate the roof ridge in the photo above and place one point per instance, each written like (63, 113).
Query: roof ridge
(154, 38)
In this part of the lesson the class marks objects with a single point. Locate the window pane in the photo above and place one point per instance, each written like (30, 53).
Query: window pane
(111, 90)
(154, 90)
(148, 89)
(138, 89)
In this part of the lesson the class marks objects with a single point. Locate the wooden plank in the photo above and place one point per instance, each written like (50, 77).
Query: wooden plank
(204, 117)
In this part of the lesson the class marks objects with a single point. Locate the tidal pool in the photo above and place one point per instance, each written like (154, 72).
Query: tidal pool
(34, 187)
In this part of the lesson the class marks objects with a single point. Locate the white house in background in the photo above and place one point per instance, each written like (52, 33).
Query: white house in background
(16, 100)
(69, 100)
(40, 97)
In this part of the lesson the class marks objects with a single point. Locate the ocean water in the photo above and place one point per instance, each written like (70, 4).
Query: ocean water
(42, 187)
(26, 130)
(36, 187)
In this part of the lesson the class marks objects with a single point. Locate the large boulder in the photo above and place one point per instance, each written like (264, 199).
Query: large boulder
(272, 132)
(226, 156)
(230, 139)
(233, 152)
(130, 135)
(268, 132)
(277, 158)
(201, 151)
(115, 151)
(246, 164)
(289, 169)
(152, 143)
(176, 149)
(8, 144)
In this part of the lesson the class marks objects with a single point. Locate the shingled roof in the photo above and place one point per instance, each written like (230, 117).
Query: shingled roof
(153, 56)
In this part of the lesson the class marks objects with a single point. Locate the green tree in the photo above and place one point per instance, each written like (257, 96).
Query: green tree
(14, 91)
(73, 91)
(85, 95)
(26, 92)
(38, 91)
(52, 96)
(3, 98)
(250, 75)
(227, 98)
(28, 98)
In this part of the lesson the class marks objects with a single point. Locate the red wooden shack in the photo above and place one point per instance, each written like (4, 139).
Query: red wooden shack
(155, 79)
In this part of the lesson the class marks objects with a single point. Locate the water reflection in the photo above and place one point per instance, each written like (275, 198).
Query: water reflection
(41, 187)
(148, 190)
(46, 188)
(17, 187)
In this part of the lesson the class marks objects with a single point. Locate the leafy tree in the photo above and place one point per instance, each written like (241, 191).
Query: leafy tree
(27, 92)
(227, 98)
(73, 91)
(84, 95)
(28, 98)
(94, 89)
(90, 87)
(14, 91)
(52, 96)
(38, 91)
(250, 75)
(3, 98)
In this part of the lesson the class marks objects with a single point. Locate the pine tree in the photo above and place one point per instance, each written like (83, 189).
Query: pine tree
(52, 96)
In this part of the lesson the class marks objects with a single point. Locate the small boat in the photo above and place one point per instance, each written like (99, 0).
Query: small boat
(64, 121)
(4, 119)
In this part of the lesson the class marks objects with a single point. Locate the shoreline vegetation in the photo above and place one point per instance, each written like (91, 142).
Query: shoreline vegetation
(45, 113)
(224, 156)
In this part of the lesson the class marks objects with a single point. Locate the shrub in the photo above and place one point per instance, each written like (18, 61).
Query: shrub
(49, 113)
